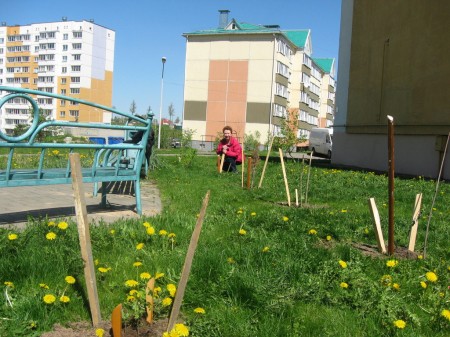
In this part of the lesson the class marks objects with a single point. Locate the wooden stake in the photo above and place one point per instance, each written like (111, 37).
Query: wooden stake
(307, 179)
(391, 168)
(149, 299)
(221, 162)
(187, 265)
(265, 163)
(243, 166)
(85, 238)
(249, 172)
(285, 178)
(296, 198)
(415, 222)
(301, 181)
(377, 226)
(218, 163)
(116, 321)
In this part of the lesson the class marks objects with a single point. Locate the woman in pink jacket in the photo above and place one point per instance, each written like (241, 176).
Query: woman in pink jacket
(230, 146)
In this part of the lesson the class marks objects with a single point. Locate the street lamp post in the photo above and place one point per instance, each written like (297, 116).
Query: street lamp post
(163, 60)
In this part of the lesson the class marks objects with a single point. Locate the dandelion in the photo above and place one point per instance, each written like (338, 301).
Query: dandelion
(172, 289)
(150, 230)
(9, 284)
(230, 260)
(55, 152)
(159, 275)
(432, 277)
(265, 249)
(166, 302)
(386, 280)
(50, 236)
(242, 231)
(131, 283)
(446, 314)
(312, 232)
(171, 235)
(180, 330)
(63, 225)
(344, 285)
(137, 264)
(328, 237)
(239, 211)
(423, 284)
(343, 211)
(132, 292)
(156, 291)
(199, 311)
(343, 264)
(285, 218)
(145, 276)
(103, 270)
(49, 299)
(420, 257)
(253, 213)
(112, 231)
(391, 263)
(366, 230)
(51, 224)
(64, 299)
(396, 286)
(146, 224)
(70, 279)
(43, 286)
(12, 237)
(139, 246)
(162, 232)
(99, 332)
(400, 324)
(131, 298)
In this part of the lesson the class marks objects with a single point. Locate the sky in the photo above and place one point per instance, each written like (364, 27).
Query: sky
(147, 30)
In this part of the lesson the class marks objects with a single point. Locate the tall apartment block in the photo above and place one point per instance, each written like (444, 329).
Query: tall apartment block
(252, 77)
(72, 58)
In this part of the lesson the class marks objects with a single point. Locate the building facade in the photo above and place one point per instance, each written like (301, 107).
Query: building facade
(72, 58)
(252, 77)
(393, 60)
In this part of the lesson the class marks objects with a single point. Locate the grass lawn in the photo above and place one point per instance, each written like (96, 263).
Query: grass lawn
(261, 268)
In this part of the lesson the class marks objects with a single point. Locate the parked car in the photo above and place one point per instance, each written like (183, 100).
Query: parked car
(321, 141)
(175, 143)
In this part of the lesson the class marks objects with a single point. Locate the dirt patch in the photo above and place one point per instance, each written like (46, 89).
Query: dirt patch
(85, 329)
(371, 250)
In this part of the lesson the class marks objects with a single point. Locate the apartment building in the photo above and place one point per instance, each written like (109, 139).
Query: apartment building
(252, 77)
(72, 58)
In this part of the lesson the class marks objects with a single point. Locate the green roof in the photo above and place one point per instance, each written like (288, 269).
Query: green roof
(324, 63)
(298, 37)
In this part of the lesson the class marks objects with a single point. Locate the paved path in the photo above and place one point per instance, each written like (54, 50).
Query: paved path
(17, 204)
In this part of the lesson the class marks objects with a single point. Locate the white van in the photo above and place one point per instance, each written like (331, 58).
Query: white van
(321, 141)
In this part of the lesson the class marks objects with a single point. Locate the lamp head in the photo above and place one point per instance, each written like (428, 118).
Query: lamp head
(163, 59)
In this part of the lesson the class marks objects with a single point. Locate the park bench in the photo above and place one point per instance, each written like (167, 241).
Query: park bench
(105, 163)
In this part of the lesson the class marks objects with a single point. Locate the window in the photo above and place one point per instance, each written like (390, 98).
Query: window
(76, 68)
(65, 36)
(306, 80)
(281, 90)
(75, 79)
(65, 47)
(63, 102)
(279, 110)
(77, 35)
(74, 113)
(63, 80)
(64, 58)
(76, 45)
(64, 69)
(62, 114)
(76, 57)
(63, 91)
(283, 69)
(74, 90)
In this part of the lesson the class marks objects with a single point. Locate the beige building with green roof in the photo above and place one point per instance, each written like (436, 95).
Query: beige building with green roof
(252, 77)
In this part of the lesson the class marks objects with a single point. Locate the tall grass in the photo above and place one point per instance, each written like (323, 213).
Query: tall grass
(261, 268)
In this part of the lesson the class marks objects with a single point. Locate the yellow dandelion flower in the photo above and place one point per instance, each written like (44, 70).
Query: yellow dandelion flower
(150, 230)
(156, 291)
(441, 294)
(131, 298)
(9, 284)
(131, 283)
(63, 225)
(165, 334)
(366, 230)
(139, 246)
(420, 257)
(265, 249)
(51, 224)
(312, 232)
(239, 211)
(55, 152)
(242, 231)
(137, 264)
(166, 302)
(132, 292)
(199, 311)
(99, 332)
(432, 277)
(285, 218)
(64, 299)
(172, 289)
(423, 284)
(70, 279)
(230, 260)
(386, 280)
(328, 237)
(400, 324)
(43, 286)
(159, 275)
(396, 286)
(181, 330)
(50, 236)
(12, 237)
(343, 211)
(253, 213)
(343, 264)
(103, 270)
(163, 232)
(171, 235)
(96, 262)
(448, 268)
(112, 231)
(146, 224)
(49, 299)
(344, 285)
(446, 314)
(145, 276)
(391, 263)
